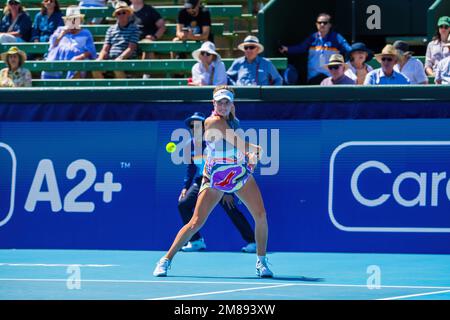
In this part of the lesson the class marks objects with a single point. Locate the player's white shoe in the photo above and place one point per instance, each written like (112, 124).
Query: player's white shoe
(161, 267)
(262, 268)
(193, 246)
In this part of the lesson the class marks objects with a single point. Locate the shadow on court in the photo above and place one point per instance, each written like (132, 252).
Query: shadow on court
(279, 278)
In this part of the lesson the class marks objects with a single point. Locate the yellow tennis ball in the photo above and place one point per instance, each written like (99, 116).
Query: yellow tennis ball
(171, 147)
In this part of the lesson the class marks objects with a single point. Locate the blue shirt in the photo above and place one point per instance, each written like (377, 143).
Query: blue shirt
(44, 26)
(260, 72)
(377, 77)
(22, 26)
(443, 71)
(320, 50)
(70, 46)
(194, 173)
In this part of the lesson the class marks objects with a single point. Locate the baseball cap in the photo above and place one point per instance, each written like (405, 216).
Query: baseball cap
(224, 93)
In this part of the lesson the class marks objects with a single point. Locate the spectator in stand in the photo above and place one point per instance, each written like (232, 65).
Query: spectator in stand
(358, 68)
(15, 25)
(411, 67)
(337, 67)
(386, 74)
(47, 21)
(209, 70)
(121, 39)
(320, 46)
(443, 71)
(437, 49)
(252, 69)
(150, 23)
(14, 75)
(93, 4)
(193, 23)
(70, 43)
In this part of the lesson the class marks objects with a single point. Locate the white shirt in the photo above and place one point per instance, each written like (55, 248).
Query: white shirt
(203, 76)
(413, 70)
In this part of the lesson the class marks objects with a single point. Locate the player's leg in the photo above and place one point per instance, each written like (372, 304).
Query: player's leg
(206, 202)
(251, 196)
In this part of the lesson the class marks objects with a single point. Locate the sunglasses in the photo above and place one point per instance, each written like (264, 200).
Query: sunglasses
(384, 59)
(204, 53)
(13, 3)
(249, 47)
(334, 67)
(323, 22)
(121, 13)
(443, 27)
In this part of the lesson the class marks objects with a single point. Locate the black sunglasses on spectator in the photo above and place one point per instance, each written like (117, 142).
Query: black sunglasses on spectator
(388, 59)
(204, 53)
(443, 27)
(334, 67)
(121, 13)
(323, 22)
(249, 47)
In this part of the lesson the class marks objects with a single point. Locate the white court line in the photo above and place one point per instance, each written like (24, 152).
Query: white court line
(219, 292)
(227, 283)
(415, 295)
(56, 265)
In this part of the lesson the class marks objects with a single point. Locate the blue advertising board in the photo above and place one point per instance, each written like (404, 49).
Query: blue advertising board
(328, 185)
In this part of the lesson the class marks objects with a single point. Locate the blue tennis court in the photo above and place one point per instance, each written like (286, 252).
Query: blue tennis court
(89, 274)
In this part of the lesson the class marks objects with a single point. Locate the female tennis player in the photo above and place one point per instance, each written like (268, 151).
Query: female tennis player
(230, 162)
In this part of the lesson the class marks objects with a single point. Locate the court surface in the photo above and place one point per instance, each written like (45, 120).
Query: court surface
(88, 274)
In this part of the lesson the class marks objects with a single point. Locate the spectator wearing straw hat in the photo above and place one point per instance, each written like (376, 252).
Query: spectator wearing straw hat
(209, 70)
(252, 69)
(121, 39)
(15, 25)
(411, 67)
(14, 75)
(337, 67)
(358, 57)
(386, 75)
(437, 49)
(70, 43)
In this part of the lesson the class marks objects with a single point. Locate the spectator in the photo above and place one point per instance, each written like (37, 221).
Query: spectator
(121, 39)
(437, 49)
(70, 42)
(386, 74)
(251, 69)
(194, 22)
(358, 68)
(46, 21)
(14, 75)
(15, 25)
(320, 46)
(93, 4)
(411, 67)
(151, 25)
(209, 70)
(443, 71)
(337, 68)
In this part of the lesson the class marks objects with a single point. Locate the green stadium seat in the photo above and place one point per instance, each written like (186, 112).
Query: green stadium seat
(157, 46)
(157, 65)
(167, 12)
(109, 82)
(99, 30)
